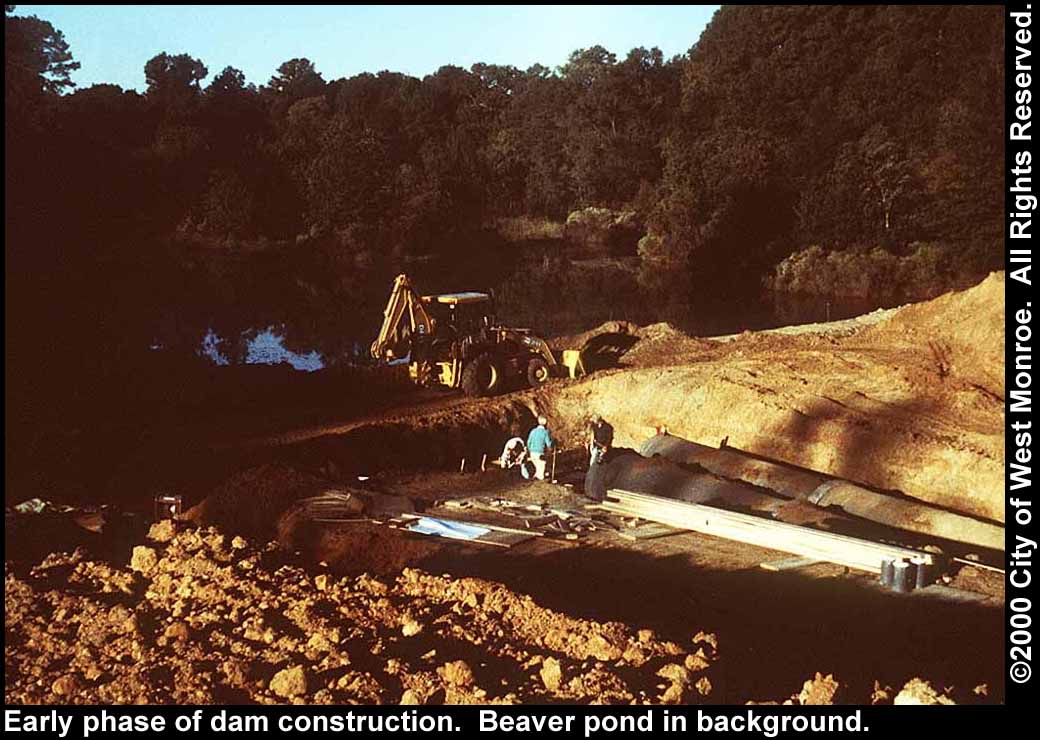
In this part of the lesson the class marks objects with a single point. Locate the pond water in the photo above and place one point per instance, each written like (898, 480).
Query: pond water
(306, 349)
(266, 347)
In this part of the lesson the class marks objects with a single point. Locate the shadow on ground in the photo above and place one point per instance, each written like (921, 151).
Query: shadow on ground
(775, 630)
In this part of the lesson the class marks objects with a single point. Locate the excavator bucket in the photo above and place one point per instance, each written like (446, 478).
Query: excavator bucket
(572, 360)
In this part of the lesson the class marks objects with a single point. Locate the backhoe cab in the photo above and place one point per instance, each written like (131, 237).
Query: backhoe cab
(453, 340)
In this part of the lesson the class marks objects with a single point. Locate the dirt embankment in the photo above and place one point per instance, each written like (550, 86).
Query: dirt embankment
(913, 403)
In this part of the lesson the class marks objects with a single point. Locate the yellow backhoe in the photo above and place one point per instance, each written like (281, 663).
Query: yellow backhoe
(453, 340)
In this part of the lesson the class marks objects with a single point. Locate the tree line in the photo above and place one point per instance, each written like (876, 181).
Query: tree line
(784, 135)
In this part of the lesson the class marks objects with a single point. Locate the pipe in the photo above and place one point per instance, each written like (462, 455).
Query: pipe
(824, 491)
(627, 469)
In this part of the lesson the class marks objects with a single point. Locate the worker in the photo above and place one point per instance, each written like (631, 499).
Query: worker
(601, 437)
(539, 444)
(513, 453)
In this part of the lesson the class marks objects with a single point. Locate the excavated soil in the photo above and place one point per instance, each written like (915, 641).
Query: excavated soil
(909, 400)
(198, 617)
(913, 403)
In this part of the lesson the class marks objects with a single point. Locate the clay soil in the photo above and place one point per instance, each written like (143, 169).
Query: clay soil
(909, 401)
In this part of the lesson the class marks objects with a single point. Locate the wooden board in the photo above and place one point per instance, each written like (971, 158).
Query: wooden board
(648, 531)
(779, 566)
(803, 541)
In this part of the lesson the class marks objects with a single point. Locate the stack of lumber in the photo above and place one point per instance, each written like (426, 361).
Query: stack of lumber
(809, 543)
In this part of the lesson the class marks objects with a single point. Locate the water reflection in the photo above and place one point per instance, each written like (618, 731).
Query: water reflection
(318, 345)
(266, 347)
(210, 349)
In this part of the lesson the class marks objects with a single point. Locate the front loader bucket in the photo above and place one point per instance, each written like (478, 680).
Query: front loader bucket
(572, 360)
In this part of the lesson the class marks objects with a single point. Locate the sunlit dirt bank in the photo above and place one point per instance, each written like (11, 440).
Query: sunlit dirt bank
(100, 608)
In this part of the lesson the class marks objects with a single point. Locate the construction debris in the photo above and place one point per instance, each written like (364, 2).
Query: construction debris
(476, 532)
(546, 519)
(648, 532)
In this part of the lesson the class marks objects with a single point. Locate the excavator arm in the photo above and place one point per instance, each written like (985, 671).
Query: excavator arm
(405, 316)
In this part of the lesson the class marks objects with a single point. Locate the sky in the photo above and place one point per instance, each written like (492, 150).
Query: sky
(113, 42)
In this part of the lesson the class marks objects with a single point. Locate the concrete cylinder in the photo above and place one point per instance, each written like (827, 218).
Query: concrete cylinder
(925, 572)
(902, 577)
(887, 572)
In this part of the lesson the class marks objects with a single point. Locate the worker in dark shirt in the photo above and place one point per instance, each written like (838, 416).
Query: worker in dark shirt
(601, 437)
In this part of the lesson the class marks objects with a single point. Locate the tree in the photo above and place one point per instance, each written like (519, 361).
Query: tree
(37, 59)
(889, 174)
(867, 120)
(174, 80)
(297, 79)
(230, 82)
(347, 182)
(616, 120)
(585, 67)
(234, 116)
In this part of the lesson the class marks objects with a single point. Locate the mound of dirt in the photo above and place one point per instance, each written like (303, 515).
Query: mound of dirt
(614, 342)
(608, 328)
(914, 404)
(203, 619)
(198, 617)
(963, 331)
(251, 501)
(354, 548)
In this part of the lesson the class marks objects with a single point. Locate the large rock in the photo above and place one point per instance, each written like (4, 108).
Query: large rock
(143, 560)
(819, 690)
(457, 673)
(289, 683)
(551, 674)
(163, 531)
(918, 692)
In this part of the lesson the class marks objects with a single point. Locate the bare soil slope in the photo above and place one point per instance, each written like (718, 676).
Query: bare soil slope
(913, 403)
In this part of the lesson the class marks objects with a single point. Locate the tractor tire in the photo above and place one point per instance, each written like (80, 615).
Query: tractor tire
(537, 372)
(482, 376)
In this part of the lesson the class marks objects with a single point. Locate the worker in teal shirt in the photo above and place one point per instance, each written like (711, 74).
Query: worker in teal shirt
(539, 444)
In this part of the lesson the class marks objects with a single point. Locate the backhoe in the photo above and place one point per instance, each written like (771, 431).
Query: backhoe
(454, 340)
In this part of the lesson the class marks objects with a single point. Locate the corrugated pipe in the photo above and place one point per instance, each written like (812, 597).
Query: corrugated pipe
(824, 491)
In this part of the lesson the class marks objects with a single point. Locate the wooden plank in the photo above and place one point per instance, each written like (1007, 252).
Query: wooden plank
(982, 566)
(648, 531)
(503, 539)
(779, 566)
(860, 554)
(804, 541)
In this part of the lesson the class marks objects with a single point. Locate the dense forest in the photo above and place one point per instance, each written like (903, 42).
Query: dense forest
(835, 150)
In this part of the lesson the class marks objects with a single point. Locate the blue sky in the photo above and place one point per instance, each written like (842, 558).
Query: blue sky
(113, 42)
